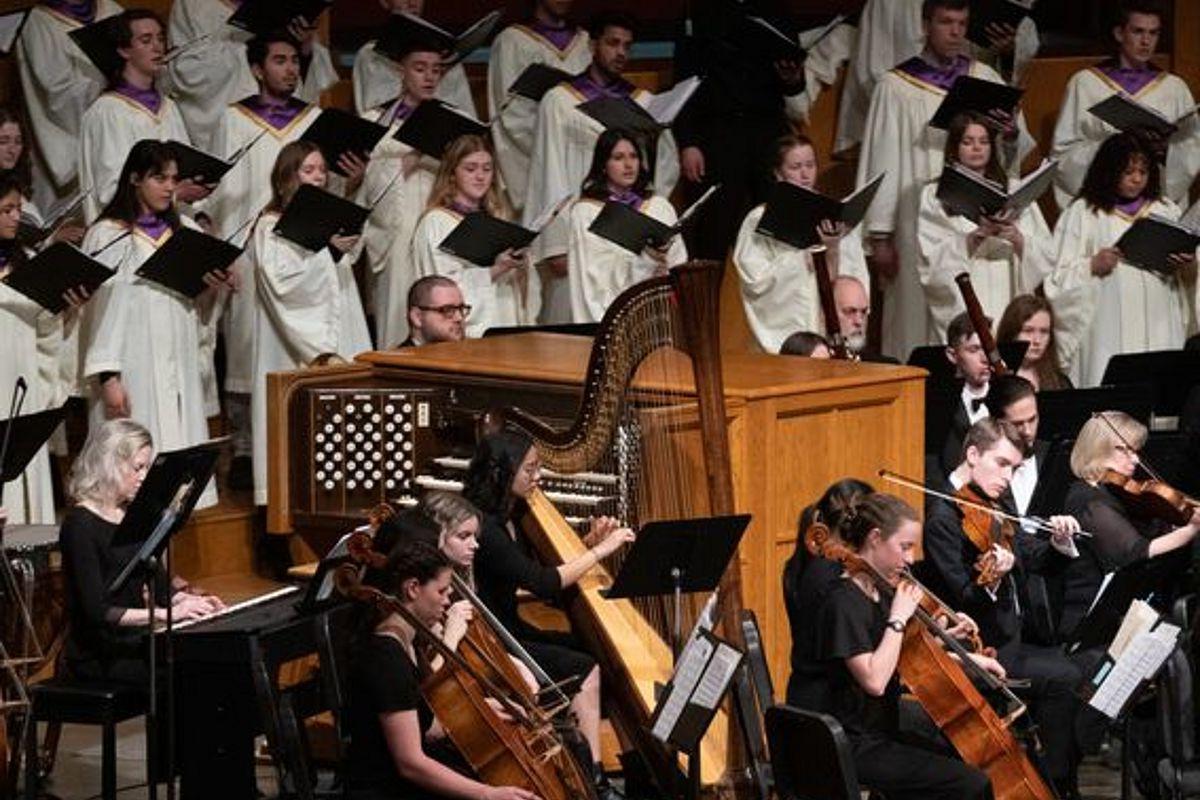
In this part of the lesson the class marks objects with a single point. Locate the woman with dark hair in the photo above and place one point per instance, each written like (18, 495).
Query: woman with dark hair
(14, 156)
(139, 340)
(505, 469)
(779, 282)
(388, 720)
(598, 270)
(1105, 306)
(1004, 254)
(1030, 318)
(307, 306)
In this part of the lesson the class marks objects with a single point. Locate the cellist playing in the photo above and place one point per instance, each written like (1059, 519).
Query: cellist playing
(859, 637)
(979, 567)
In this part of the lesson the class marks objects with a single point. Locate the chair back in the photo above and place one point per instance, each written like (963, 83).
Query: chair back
(810, 755)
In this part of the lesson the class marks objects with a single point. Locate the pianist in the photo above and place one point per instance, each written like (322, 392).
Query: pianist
(104, 640)
(505, 470)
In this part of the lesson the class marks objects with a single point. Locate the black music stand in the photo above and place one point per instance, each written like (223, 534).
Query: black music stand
(677, 556)
(162, 505)
(1137, 581)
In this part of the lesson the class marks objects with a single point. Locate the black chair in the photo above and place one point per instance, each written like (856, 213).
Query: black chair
(65, 701)
(1179, 770)
(810, 756)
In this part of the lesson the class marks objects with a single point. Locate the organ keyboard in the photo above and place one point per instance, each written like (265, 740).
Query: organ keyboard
(235, 608)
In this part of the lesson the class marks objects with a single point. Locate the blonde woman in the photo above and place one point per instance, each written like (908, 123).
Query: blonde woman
(104, 640)
(1109, 442)
(507, 292)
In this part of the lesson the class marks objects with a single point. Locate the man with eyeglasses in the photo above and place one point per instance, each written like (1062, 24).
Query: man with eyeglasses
(436, 312)
(853, 309)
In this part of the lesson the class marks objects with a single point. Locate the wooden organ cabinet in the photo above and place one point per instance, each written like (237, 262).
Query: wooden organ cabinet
(344, 438)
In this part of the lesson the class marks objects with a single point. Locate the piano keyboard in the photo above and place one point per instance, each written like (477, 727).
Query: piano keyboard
(236, 607)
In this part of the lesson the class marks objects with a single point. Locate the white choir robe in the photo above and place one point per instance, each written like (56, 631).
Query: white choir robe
(889, 33)
(32, 339)
(899, 143)
(1128, 311)
(515, 48)
(150, 335)
(493, 303)
(211, 74)
(376, 80)
(306, 306)
(563, 144)
(242, 194)
(598, 270)
(1079, 134)
(110, 129)
(58, 83)
(997, 273)
(387, 234)
(779, 284)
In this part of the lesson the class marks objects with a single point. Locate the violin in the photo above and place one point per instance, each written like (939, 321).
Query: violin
(523, 749)
(986, 530)
(979, 322)
(1151, 498)
(941, 684)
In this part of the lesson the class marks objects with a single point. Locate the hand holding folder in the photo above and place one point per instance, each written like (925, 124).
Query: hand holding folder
(59, 277)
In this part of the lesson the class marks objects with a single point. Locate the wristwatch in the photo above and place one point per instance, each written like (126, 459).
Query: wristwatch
(896, 625)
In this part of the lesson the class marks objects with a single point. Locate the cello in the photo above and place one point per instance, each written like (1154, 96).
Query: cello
(521, 750)
(941, 684)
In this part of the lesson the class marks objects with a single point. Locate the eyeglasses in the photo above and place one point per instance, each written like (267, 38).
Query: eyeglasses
(449, 310)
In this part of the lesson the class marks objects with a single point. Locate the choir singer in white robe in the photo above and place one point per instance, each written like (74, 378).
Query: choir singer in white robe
(507, 292)
(1103, 305)
(58, 83)
(133, 109)
(546, 38)
(1078, 133)
(778, 281)
(1004, 256)
(139, 340)
(307, 308)
(211, 70)
(374, 77)
(598, 269)
(563, 143)
(900, 144)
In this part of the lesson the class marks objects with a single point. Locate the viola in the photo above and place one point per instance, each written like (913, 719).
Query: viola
(520, 747)
(986, 531)
(1151, 498)
(941, 684)
(979, 322)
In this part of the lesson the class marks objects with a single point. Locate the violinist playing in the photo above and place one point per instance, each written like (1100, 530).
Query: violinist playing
(979, 565)
(387, 718)
(1108, 444)
(859, 636)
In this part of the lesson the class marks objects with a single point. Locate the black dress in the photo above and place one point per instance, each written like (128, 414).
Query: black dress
(383, 679)
(97, 648)
(902, 766)
(806, 582)
(503, 564)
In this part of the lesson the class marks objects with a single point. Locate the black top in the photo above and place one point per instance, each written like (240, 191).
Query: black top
(503, 565)
(806, 583)
(90, 563)
(852, 624)
(1117, 541)
(383, 679)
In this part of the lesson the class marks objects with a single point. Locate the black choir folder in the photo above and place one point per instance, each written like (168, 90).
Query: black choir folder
(1125, 114)
(181, 264)
(537, 79)
(480, 238)
(649, 118)
(995, 12)
(59, 267)
(634, 231)
(688, 703)
(31, 234)
(773, 40)
(337, 132)
(29, 433)
(1150, 240)
(793, 214)
(314, 215)
(404, 28)
(433, 125)
(98, 41)
(264, 16)
(973, 196)
(205, 168)
(978, 95)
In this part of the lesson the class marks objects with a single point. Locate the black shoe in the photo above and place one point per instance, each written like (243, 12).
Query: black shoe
(605, 790)
(241, 474)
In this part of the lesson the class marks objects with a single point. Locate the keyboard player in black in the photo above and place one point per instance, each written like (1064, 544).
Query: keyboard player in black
(105, 641)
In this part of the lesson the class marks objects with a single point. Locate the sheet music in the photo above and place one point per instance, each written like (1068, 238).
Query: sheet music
(665, 106)
(687, 674)
(717, 676)
(1140, 661)
(1139, 618)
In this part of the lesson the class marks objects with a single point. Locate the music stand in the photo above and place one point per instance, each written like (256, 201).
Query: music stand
(1137, 581)
(162, 505)
(1170, 373)
(677, 556)
(1063, 411)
